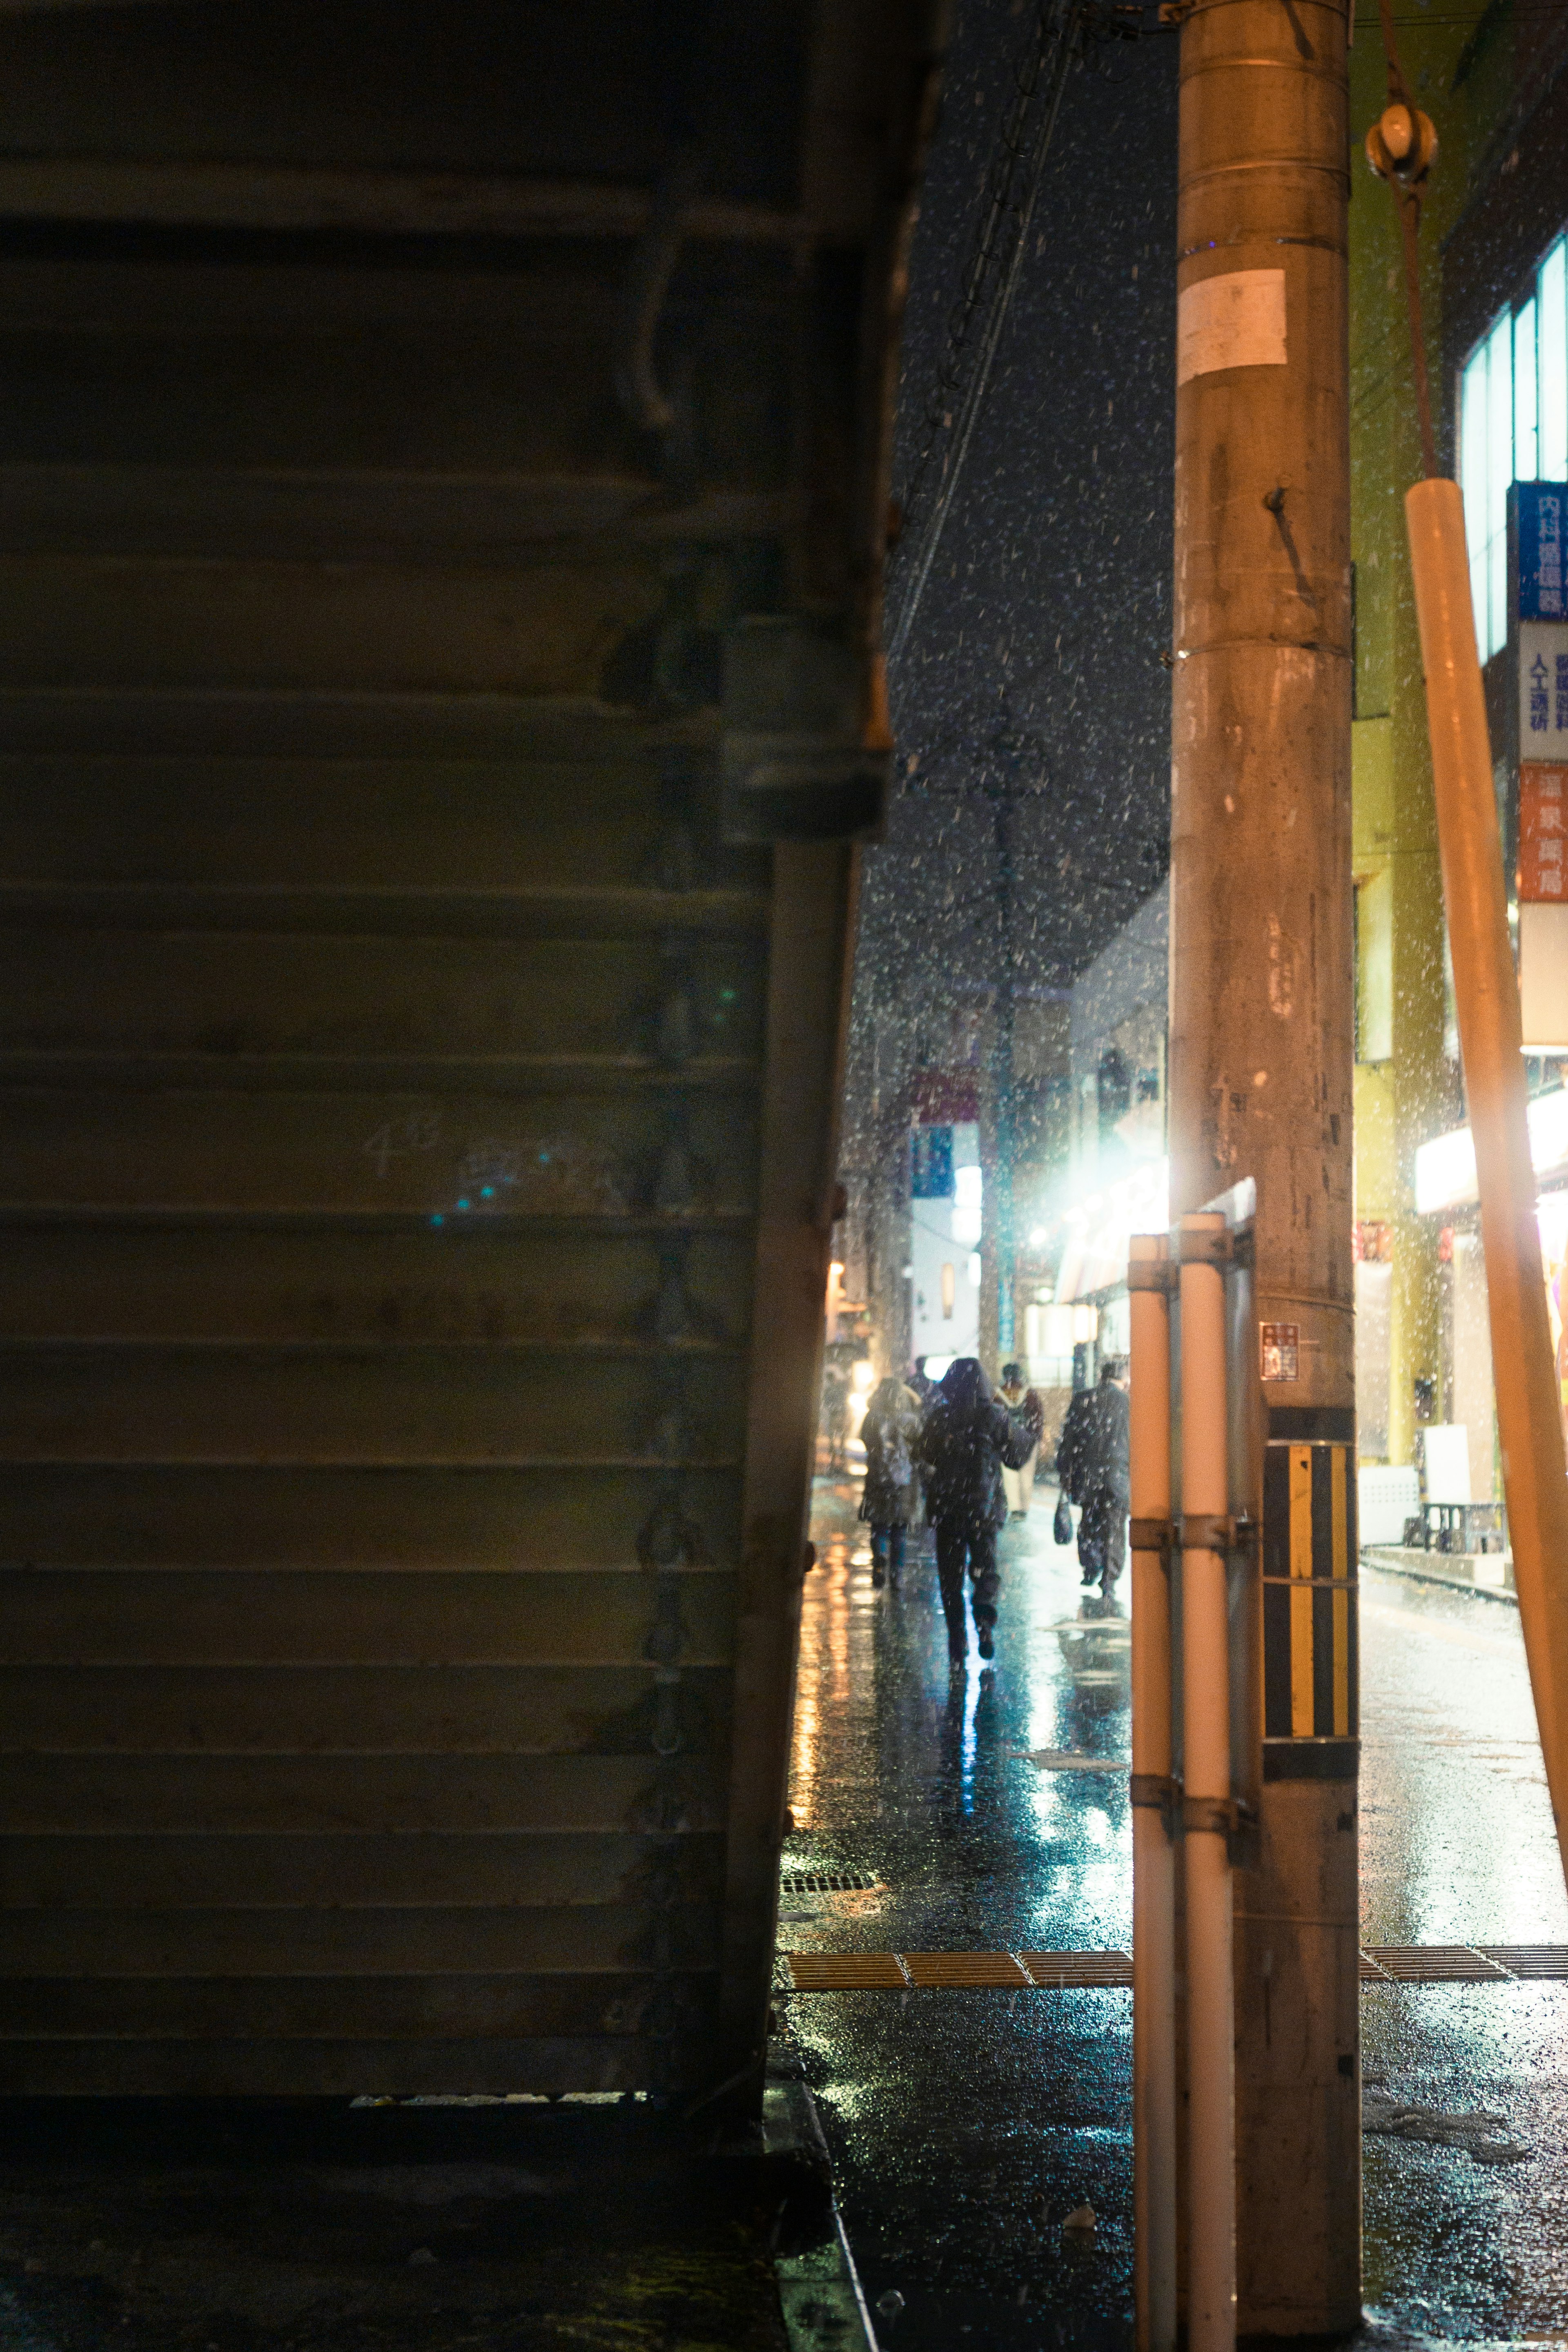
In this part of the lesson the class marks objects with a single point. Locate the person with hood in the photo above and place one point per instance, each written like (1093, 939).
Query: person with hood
(890, 1499)
(967, 1437)
(1094, 1470)
(1024, 1403)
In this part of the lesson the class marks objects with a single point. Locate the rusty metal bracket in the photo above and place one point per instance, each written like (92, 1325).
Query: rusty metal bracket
(1208, 1245)
(1226, 1816)
(1153, 1274)
(1160, 1792)
(1211, 1531)
(1152, 1535)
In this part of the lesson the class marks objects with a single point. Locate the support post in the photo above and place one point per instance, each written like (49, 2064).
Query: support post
(1153, 1848)
(1207, 1807)
(1261, 1037)
(1486, 996)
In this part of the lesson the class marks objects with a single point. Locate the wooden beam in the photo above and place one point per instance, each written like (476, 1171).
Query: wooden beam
(405, 204)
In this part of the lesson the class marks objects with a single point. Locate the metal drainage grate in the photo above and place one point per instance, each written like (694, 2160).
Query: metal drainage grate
(1060, 1968)
(828, 1882)
(992, 1968)
(1385, 1964)
(1461, 1963)
(848, 1972)
(1433, 1964)
(1001, 1971)
(1529, 1959)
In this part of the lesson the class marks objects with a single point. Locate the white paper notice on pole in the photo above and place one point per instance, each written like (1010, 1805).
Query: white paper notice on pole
(1234, 321)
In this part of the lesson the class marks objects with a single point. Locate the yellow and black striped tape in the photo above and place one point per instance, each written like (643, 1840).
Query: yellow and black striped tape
(1310, 1662)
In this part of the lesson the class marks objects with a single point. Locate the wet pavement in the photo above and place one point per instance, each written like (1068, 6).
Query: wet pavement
(966, 2124)
(193, 2225)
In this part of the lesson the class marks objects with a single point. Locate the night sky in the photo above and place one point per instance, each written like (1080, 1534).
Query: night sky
(1049, 601)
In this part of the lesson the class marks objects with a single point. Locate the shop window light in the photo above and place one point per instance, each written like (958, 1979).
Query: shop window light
(1526, 447)
(1513, 428)
(1551, 365)
(1500, 475)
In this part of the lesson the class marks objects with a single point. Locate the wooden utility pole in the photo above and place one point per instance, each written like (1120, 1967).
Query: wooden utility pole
(1261, 1070)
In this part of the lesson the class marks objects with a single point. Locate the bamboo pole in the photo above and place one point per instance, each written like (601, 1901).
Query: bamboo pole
(1486, 994)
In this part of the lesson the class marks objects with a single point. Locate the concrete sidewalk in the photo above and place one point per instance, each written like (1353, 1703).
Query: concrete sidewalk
(1490, 1573)
(230, 2226)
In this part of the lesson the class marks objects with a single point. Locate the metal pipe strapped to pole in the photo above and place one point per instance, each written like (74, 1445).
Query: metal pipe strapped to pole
(1154, 1846)
(1205, 1766)
(1486, 996)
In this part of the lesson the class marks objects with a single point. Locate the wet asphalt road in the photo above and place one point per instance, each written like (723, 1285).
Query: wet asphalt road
(965, 2125)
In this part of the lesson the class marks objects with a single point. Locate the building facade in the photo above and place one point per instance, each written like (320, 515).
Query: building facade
(1495, 294)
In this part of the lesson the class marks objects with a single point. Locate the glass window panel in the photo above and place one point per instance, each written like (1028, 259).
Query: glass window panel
(1473, 463)
(1552, 367)
(1500, 422)
(1524, 393)
(1499, 473)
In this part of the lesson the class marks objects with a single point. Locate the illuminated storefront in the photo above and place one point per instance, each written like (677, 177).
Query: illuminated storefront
(1446, 1191)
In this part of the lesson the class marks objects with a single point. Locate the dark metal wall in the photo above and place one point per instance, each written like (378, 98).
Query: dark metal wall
(421, 987)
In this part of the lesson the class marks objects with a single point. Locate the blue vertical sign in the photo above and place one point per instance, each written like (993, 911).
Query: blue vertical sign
(930, 1163)
(1540, 510)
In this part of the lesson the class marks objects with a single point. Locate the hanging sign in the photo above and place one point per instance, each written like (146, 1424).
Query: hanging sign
(1543, 590)
(1544, 691)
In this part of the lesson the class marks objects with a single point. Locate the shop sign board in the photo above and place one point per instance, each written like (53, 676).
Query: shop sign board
(1543, 690)
(1541, 878)
(1542, 833)
(1541, 508)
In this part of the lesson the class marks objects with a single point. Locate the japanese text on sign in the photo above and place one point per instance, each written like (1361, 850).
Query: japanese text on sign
(1540, 522)
(1280, 1351)
(1543, 690)
(1542, 829)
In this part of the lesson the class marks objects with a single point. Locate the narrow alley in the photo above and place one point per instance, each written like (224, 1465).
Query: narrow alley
(967, 2124)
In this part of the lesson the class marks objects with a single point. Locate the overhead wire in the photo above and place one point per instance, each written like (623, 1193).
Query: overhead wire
(989, 281)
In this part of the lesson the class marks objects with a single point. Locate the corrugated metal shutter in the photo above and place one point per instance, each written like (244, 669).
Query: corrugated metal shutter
(402, 1470)
(381, 1036)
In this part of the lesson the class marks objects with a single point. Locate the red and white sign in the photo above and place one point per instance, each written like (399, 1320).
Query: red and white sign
(1542, 834)
(1280, 1351)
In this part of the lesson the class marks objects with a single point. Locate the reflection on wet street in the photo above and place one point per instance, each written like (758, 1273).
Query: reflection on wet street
(967, 2124)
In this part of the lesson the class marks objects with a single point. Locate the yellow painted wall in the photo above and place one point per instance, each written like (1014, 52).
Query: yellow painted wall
(1411, 1091)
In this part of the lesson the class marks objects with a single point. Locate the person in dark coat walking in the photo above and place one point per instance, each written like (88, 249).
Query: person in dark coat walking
(968, 1434)
(1093, 1469)
(890, 1501)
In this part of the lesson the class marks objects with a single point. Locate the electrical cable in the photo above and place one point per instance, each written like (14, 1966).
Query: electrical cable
(1062, 18)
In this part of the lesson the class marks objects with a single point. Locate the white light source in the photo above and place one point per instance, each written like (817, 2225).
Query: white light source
(1036, 1237)
(1446, 1168)
(1552, 364)
(862, 1375)
(974, 1269)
